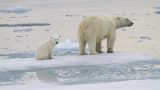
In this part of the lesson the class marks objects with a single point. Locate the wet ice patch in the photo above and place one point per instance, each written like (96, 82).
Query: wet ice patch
(16, 54)
(16, 9)
(101, 73)
(23, 30)
(83, 73)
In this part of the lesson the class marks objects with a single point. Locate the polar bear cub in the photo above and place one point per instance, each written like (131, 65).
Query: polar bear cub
(92, 30)
(45, 50)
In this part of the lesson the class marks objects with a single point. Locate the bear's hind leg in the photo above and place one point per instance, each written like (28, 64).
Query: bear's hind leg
(82, 46)
(110, 44)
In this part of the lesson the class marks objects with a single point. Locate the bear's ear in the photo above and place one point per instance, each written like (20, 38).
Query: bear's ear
(59, 36)
(118, 17)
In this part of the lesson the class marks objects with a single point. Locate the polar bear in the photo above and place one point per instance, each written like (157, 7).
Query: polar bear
(44, 50)
(94, 29)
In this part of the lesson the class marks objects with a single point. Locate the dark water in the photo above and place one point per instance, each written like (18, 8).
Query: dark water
(24, 24)
(157, 10)
(84, 74)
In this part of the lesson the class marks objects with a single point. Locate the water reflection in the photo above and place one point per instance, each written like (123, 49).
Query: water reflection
(84, 73)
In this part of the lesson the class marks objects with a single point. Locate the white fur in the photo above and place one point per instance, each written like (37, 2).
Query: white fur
(94, 29)
(44, 50)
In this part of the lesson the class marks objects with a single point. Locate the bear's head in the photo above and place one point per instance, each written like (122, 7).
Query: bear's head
(123, 22)
(55, 39)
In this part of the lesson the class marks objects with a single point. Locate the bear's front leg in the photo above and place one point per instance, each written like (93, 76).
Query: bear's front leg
(110, 44)
(50, 56)
(98, 46)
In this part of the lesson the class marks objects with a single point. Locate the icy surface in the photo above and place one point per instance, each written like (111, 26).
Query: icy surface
(80, 69)
(123, 85)
(69, 71)
(16, 9)
(67, 47)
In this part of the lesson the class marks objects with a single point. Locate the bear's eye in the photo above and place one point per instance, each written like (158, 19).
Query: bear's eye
(126, 19)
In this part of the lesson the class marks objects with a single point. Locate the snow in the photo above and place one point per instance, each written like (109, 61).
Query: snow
(16, 9)
(69, 71)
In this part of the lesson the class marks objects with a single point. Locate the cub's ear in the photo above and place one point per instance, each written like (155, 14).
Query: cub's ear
(51, 37)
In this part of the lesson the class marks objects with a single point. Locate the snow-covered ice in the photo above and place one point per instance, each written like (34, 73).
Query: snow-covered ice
(69, 71)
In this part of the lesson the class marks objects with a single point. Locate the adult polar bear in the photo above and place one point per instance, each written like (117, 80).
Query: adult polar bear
(94, 29)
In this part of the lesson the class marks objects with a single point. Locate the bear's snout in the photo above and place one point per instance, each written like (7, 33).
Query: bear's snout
(56, 42)
(131, 24)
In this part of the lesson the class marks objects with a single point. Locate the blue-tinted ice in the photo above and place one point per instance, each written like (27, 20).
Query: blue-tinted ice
(83, 74)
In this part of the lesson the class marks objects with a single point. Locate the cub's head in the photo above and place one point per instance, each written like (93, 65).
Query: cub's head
(123, 22)
(55, 39)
